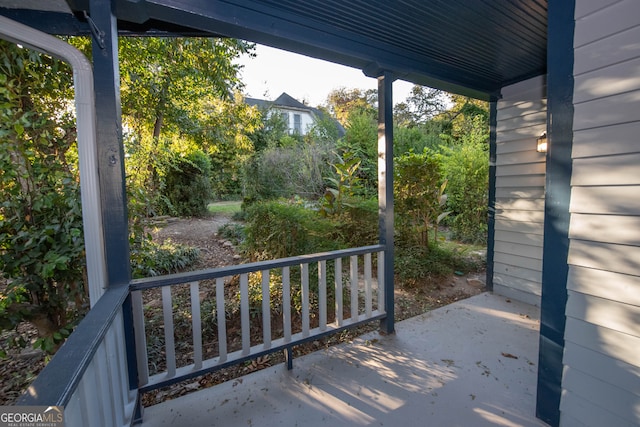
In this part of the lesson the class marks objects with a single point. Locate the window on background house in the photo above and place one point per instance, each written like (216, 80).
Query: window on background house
(285, 116)
(297, 124)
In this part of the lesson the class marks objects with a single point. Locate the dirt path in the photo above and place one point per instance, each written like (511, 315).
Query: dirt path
(201, 233)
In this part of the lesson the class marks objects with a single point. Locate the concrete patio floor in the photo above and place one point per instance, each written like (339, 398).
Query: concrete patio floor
(471, 363)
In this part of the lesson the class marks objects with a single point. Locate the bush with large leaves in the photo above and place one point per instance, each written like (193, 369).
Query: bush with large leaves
(41, 241)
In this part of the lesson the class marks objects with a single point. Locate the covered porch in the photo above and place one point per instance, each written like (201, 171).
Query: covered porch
(473, 362)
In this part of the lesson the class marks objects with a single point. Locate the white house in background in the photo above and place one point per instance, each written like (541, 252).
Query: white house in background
(298, 116)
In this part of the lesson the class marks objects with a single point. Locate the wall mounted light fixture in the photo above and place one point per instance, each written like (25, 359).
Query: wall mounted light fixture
(542, 143)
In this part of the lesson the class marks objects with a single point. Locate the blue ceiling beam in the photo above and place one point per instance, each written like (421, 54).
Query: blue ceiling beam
(260, 22)
(470, 47)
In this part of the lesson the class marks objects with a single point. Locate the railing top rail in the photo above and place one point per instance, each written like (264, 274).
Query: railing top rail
(59, 379)
(214, 273)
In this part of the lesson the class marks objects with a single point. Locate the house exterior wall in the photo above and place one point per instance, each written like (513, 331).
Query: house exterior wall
(520, 181)
(306, 119)
(601, 376)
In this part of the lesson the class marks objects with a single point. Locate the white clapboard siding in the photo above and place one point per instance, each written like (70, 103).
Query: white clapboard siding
(522, 216)
(519, 193)
(592, 281)
(621, 169)
(520, 181)
(623, 259)
(601, 379)
(519, 226)
(623, 230)
(524, 286)
(517, 249)
(606, 200)
(513, 145)
(606, 141)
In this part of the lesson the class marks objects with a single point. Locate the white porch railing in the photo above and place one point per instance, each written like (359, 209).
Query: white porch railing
(291, 292)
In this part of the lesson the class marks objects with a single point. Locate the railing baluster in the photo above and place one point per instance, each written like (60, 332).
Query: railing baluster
(222, 326)
(112, 368)
(304, 271)
(322, 294)
(102, 390)
(119, 353)
(170, 348)
(141, 338)
(196, 324)
(266, 310)
(354, 288)
(244, 313)
(87, 401)
(286, 304)
(381, 283)
(286, 338)
(367, 284)
(338, 285)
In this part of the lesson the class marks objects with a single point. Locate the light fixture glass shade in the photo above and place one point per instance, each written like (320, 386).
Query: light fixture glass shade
(541, 146)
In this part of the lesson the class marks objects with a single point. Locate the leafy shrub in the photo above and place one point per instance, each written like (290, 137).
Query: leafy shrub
(419, 196)
(285, 172)
(361, 140)
(417, 264)
(150, 259)
(277, 229)
(187, 184)
(416, 139)
(233, 232)
(466, 167)
(345, 184)
(42, 260)
(358, 224)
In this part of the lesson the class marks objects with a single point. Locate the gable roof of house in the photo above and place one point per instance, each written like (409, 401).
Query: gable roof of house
(287, 101)
(471, 47)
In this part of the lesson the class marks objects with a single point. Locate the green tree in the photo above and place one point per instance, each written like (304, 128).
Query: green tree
(271, 130)
(361, 141)
(323, 129)
(466, 166)
(226, 137)
(177, 99)
(467, 118)
(343, 102)
(41, 242)
(422, 105)
(164, 80)
(419, 196)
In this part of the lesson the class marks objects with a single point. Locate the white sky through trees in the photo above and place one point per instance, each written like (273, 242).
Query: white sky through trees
(274, 71)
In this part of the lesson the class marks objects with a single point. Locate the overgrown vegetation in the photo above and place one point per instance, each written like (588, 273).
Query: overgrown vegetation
(189, 139)
(41, 240)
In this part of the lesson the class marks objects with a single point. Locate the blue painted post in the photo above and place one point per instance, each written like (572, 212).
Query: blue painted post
(111, 168)
(385, 193)
(555, 269)
(491, 211)
(109, 140)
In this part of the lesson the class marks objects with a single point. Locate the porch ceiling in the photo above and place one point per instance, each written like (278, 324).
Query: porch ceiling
(473, 47)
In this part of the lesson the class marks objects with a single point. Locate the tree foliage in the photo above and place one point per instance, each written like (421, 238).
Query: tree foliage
(419, 196)
(422, 105)
(41, 241)
(178, 98)
(165, 80)
(342, 103)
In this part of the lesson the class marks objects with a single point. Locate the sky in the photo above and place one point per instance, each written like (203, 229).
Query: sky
(274, 71)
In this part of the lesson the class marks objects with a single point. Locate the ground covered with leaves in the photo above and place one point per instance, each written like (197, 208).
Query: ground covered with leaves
(21, 366)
